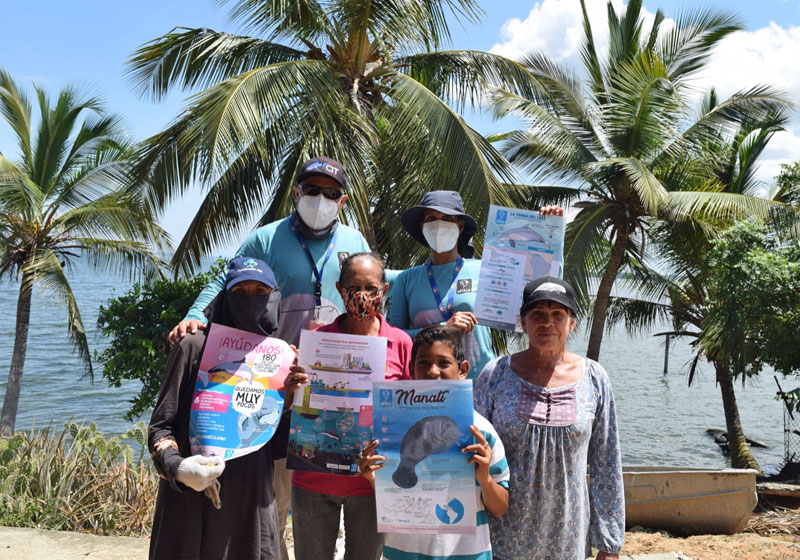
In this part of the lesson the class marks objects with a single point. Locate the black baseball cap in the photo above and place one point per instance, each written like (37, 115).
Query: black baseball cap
(547, 288)
(323, 166)
(248, 268)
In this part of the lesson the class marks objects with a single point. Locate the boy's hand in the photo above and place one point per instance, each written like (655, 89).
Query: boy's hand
(368, 463)
(482, 456)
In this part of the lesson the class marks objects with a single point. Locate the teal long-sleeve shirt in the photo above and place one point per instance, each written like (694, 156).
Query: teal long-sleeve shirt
(277, 245)
(413, 306)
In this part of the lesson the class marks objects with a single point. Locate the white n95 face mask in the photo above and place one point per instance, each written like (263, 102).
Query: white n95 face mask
(318, 212)
(440, 235)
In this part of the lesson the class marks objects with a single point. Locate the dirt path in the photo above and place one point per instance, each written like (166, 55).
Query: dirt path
(39, 544)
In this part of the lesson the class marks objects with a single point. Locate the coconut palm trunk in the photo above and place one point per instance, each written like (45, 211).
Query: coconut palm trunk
(14, 385)
(603, 294)
(741, 457)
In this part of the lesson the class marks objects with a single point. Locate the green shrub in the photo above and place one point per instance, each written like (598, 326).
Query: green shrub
(137, 323)
(77, 480)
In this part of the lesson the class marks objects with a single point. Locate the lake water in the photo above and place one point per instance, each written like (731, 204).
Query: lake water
(661, 420)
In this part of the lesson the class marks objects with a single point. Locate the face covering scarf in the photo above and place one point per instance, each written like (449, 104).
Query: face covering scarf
(440, 235)
(250, 313)
(361, 305)
(317, 212)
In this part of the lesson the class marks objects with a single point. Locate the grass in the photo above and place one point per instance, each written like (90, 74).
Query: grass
(77, 480)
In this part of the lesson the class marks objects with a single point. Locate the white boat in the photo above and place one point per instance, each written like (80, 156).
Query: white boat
(689, 501)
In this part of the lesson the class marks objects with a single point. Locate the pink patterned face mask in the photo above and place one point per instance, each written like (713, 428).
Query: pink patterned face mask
(362, 305)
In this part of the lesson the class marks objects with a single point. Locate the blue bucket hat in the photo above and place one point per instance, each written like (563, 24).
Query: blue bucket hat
(248, 268)
(448, 203)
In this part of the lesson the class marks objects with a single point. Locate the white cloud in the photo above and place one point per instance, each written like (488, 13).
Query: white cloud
(769, 55)
(556, 28)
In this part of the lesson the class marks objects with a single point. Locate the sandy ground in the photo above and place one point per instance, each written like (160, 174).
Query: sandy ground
(39, 544)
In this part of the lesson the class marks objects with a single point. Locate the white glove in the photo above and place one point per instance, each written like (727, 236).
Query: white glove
(198, 472)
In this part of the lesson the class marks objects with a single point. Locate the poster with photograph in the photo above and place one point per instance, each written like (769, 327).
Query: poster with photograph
(520, 246)
(236, 404)
(332, 414)
(426, 485)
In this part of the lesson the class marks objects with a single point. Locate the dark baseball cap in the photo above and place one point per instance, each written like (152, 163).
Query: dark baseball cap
(547, 288)
(248, 268)
(323, 166)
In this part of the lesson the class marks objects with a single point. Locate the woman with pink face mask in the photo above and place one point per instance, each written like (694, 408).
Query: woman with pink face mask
(317, 498)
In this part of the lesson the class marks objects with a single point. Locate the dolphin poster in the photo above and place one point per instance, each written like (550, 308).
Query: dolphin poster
(426, 484)
(237, 401)
(520, 246)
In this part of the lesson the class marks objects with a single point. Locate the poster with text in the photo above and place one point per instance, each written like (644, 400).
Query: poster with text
(426, 484)
(236, 404)
(332, 414)
(520, 246)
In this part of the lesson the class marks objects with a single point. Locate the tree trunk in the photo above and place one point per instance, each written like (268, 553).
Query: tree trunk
(603, 293)
(741, 457)
(11, 400)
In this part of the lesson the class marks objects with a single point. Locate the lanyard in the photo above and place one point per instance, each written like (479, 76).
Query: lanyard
(317, 273)
(445, 309)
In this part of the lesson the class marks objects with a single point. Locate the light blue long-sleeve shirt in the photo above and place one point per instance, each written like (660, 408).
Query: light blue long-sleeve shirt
(413, 306)
(277, 245)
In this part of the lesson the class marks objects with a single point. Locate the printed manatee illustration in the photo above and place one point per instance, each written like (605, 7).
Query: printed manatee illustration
(239, 368)
(430, 436)
(524, 233)
(253, 425)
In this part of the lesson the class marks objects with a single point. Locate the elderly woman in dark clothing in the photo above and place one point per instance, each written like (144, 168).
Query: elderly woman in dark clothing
(188, 525)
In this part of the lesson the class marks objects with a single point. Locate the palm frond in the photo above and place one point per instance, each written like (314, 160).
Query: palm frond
(297, 20)
(189, 58)
(46, 269)
(686, 47)
(16, 110)
(651, 193)
(719, 205)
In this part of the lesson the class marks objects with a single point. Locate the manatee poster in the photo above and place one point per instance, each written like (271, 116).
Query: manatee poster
(426, 484)
(332, 414)
(236, 404)
(520, 246)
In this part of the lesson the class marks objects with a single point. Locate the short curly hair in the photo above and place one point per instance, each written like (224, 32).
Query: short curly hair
(451, 336)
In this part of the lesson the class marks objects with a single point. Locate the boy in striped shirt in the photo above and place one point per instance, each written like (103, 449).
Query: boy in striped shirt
(439, 353)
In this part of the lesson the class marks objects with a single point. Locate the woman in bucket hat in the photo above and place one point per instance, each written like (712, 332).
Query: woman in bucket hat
(443, 289)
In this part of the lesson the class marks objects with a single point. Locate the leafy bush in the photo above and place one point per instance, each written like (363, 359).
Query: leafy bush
(77, 480)
(137, 323)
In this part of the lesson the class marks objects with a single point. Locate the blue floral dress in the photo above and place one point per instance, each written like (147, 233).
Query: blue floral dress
(552, 438)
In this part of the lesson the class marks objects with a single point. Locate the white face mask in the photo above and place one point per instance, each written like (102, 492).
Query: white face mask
(317, 212)
(440, 235)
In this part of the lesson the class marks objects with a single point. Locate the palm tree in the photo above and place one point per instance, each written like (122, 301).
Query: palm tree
(63, 201)
(623, 139)
(680, 291)
(360, 81)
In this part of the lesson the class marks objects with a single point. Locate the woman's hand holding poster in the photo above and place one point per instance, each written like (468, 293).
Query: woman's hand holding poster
(236, 405)
(426, 484)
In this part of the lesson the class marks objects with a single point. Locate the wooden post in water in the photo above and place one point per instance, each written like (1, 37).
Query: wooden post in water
(666, 354)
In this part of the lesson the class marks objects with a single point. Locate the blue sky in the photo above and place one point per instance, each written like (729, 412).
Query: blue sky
(86, 42)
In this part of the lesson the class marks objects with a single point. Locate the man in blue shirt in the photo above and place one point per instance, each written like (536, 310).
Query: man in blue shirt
(304, 251)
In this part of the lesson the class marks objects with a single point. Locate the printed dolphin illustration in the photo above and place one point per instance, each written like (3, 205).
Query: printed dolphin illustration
(524, 233)
(430, 436)
(239, 369)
